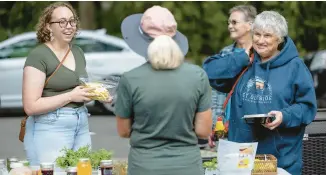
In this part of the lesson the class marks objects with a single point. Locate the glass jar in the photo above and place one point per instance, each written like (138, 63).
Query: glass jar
(47, 168)
(84, 167)
(106, 167)
(71, 171)
(36, 170)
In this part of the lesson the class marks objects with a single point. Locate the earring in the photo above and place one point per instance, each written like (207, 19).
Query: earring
(51, 36)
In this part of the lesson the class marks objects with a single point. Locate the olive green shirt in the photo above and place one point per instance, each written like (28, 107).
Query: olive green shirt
(65, 79)
(162, 105)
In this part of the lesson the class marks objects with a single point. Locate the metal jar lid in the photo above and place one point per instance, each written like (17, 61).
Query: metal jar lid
(106, 163)
(47, 165)
(83, 159)
(71, 169)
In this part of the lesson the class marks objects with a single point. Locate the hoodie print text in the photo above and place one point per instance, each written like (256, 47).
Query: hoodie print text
(257, 90)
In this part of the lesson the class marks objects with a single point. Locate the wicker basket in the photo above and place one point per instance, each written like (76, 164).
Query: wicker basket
(265, 164)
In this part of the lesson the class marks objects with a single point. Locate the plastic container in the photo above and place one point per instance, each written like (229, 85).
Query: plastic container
(19, 169)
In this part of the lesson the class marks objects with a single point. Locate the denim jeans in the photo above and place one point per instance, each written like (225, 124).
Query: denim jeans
(47, 134)
(218, 99)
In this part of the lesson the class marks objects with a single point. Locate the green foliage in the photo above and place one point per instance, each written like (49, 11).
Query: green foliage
(71, 158)
(99, 155)
(211, 165)
(204, 22)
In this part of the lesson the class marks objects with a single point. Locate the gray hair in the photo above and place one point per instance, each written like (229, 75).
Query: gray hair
(164, 53)
(271, 21)
(249, 11)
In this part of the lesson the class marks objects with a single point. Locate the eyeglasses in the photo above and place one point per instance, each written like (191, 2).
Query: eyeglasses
(64, 23)
(234, 22)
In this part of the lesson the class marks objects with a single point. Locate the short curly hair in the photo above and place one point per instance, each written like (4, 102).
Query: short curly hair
(43, 34)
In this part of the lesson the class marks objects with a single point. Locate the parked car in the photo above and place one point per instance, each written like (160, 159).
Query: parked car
(316, 62)
(105, 56)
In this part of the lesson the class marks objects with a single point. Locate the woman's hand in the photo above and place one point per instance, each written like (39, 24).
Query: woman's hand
(248, 52)
(211, 142)
(278, 120)
(80, 94)
(109, 100)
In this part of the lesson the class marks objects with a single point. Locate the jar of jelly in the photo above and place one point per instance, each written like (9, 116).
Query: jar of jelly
(71, 171)
(84, 167)
(106, 167)
(47, 168)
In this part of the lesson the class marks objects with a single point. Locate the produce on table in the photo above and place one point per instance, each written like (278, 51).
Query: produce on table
(210, 165)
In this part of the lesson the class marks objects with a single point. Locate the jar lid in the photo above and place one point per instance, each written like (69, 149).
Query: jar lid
(16, 165)
(106, 162)
(71, 169)
(83, 159)
(47, 165)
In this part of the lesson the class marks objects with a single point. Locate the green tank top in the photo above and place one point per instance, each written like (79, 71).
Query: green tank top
(65, 79)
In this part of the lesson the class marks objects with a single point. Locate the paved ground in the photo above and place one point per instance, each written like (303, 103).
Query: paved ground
(104, 128)
(105, 135)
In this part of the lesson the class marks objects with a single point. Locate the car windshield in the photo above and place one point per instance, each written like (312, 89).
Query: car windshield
(19, 49)
(88, 45)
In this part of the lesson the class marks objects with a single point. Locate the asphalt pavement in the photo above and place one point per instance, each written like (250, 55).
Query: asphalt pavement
(103, 128)
(104, 135)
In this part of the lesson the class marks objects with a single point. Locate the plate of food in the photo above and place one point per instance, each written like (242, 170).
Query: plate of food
(102, 90)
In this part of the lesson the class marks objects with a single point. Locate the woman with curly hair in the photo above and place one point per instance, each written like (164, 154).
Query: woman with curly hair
(58, 116)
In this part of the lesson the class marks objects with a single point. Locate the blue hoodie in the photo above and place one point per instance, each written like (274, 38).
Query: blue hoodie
(283, 84)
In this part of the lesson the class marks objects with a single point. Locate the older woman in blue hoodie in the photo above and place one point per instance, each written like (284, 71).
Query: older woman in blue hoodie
(276, 82)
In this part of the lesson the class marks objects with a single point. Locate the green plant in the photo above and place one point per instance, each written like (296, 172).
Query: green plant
(99, 155)
(210, 165)
(71, 157)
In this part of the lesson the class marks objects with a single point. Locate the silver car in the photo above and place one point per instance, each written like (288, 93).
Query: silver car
(105, 56)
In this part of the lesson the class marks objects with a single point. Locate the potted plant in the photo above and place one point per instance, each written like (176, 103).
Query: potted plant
(70, 157)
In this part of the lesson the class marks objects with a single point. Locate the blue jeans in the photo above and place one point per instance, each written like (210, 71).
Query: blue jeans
(218, 99)
(47, 134)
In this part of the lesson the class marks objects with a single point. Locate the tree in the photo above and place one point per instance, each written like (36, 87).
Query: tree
(87, 14)
(204, 23)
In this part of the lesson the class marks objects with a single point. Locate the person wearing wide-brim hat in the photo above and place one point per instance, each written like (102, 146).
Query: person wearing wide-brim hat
(163, 105)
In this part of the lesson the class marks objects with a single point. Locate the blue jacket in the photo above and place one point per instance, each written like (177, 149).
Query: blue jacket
(219, 97)
(283, 84)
